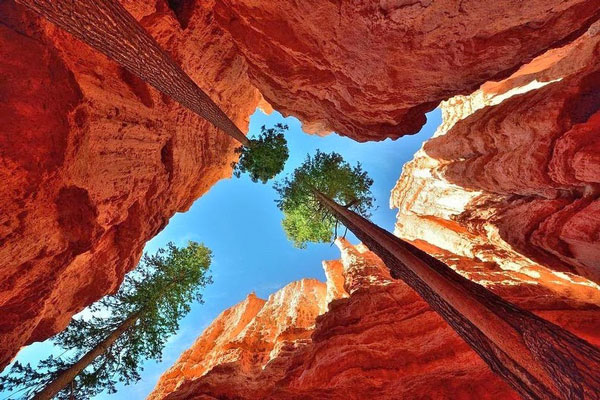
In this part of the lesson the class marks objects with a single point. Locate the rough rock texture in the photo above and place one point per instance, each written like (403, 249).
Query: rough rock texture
(378, 339)
(250, 334)
(371, 69)
(512, 175)
(93, 162)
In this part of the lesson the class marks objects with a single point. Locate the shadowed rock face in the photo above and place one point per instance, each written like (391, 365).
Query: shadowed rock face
(512, 175)
(371, 69)
(94, 161)
(376, 339)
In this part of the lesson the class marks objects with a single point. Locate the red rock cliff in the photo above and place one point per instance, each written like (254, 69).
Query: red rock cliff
(94, 162)
(377, 339)
(512, 176)
(371, 69)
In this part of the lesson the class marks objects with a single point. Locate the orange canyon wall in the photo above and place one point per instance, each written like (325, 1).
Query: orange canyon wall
(512, 176)
(359, 335)
(94, 162)
(506, 193)
(371, 69)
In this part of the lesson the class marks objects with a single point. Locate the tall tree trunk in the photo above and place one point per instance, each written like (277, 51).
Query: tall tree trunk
(65, 377)
(537, 358)
(109, 28)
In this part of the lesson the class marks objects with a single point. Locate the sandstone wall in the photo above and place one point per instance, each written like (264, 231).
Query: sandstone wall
(376, 339)
(511, 177)
(371, 69)
(93, 162)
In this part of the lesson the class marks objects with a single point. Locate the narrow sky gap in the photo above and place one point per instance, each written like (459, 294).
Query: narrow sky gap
(239, 221)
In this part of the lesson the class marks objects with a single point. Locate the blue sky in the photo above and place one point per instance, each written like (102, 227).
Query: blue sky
(238, 220)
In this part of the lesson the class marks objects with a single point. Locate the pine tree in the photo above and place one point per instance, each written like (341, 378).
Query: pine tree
(538, 359)
(108, 343)
(264, 157)
(306, 218)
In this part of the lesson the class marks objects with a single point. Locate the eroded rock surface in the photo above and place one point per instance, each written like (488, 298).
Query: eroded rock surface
(371, 69)
(94, 162)
(376, 339)
(511, 176)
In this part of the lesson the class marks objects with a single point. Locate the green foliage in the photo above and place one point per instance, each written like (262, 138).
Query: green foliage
(265, 156)
(160, 289)
(305, 218)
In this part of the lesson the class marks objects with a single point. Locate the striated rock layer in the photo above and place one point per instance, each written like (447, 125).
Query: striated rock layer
(93, 162)
(371, 69)
(376, 339)
(512, 177)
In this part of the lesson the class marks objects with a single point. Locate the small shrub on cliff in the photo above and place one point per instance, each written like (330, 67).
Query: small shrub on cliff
(122, 330)
(264, 157)
(306, 219)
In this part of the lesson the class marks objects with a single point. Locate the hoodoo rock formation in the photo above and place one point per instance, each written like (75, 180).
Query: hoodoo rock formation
(376, 338)
(511, 176)
(94, 162)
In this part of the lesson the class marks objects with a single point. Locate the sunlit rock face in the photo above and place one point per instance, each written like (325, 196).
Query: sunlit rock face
(371, 69)
(376, 339)
(93, 162)
(512, 175)
(248, 336)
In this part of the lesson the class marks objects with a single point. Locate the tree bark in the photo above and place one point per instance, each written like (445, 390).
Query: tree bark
(106, 26)
(65, 377)
(538, 359)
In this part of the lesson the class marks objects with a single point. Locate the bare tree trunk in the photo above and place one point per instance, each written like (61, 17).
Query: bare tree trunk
(109, 28)
(65, 377)
(538, 359)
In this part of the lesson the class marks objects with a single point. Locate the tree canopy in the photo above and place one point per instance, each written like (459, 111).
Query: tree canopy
(265, 156)
(157, 293)
(307, 220)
